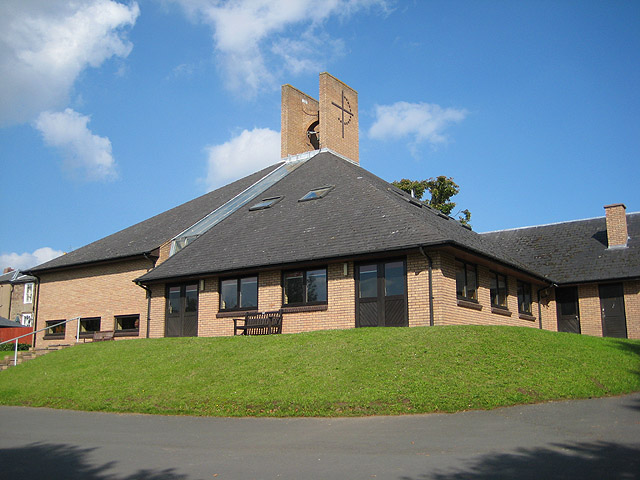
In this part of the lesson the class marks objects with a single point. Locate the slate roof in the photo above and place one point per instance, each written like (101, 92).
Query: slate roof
(16, 276)
(5, 322)
(574, 252)
(362, 214)
(150, 234)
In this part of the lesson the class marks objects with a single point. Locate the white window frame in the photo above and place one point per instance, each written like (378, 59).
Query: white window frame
(28, 293)
(27, 319)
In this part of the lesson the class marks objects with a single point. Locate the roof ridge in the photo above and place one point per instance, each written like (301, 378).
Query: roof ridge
(551, 224)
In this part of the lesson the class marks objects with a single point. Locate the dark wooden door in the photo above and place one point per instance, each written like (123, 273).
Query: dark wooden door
(381, 294)
(181, 319)
(614, 321)
(567, 309)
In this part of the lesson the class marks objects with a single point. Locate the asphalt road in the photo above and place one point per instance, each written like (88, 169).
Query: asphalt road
(589, 439)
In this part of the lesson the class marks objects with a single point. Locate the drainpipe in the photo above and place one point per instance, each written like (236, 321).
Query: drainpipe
(148, 306)
(35, 310)
(431, 321)
(153, 264)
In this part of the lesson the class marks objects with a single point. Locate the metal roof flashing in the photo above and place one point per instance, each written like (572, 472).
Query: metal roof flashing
(218, 215)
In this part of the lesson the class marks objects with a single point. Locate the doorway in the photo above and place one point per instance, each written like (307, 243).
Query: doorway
(181, 319)
(614, 320)
(381, 290)
(568, 309)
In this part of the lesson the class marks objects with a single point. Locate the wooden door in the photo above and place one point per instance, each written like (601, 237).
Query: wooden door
(614, 321)
(381, 294)
(568, 310)
(181, 318)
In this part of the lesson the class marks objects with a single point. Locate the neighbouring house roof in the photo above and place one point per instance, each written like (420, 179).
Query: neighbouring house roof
(360, 214)
(574, 252)
(150, 234)
(6, 323)
(16, 276)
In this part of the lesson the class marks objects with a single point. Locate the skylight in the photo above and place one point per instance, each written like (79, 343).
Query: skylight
(265, 203)
(317, 193)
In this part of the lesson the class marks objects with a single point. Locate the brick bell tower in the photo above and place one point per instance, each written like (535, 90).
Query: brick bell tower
(332, 122)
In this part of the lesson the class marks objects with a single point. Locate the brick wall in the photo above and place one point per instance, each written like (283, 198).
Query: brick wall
(96, 291)
(589, 307)
(591, 313)
(418, 290)
(331, 124)
(299, 111)
(632, 308)
(448, 311)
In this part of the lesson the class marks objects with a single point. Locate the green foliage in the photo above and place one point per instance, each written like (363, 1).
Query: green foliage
(416, 187)
(366, 371)
(441, 189)
(10, 347)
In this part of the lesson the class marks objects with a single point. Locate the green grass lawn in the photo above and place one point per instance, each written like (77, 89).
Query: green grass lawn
(373, 371)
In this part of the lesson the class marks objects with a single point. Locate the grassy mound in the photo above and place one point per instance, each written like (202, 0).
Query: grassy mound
(374, 371)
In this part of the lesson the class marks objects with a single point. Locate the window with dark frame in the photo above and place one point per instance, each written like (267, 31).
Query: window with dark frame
(239, 293)
(305, 287)
(55, 332)
(316, 193)
(524, 298)
(466, 281)
(127, 325)
(265, 203)
(88, 326)
(498, 290)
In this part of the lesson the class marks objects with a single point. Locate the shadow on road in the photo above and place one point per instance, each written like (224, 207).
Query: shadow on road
(64, 462)
(589, 461)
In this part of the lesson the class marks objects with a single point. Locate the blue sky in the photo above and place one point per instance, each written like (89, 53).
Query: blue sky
(111, 112)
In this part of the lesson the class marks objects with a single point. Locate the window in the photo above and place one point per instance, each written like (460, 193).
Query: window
(524, 298)
(55, 332)
(498, 290)
(305, 287)
(239, 293)
(28, 293)
(89, 325)
(27, 319)
(466, 280)
(127, 325)
(316, 193)
(265, 203)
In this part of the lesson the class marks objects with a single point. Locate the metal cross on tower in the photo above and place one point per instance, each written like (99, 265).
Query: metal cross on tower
(345, 110)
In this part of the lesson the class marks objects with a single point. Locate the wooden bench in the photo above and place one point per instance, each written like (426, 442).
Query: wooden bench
(103, 336)
(264, 323)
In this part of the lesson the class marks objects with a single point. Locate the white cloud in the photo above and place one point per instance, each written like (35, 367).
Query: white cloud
(23, 261)
(242, 155)
(82, 150)
(46, 44)
(251, 36)
(421, 121)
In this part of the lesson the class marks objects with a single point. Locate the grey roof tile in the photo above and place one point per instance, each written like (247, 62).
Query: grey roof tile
(150, 234)
(574, 252)
(362, 214)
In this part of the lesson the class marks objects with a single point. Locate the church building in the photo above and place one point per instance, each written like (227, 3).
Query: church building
(332, 246)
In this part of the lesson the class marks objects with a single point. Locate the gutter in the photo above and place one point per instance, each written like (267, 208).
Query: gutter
(431, 315)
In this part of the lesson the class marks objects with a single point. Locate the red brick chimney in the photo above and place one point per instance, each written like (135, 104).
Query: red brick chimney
(617, 234)
(8, 269)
